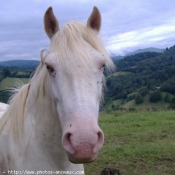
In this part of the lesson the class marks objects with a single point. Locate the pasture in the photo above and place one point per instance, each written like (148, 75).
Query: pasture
(138, 143)
(8, 82)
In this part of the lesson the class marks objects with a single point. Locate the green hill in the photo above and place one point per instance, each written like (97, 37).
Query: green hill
(8, 83)
(142, 75)
(20, 63)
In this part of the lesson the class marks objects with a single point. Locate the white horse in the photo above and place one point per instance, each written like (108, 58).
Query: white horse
(3, 108)
(51, 123)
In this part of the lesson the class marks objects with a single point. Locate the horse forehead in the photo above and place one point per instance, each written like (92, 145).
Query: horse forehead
(84, 55)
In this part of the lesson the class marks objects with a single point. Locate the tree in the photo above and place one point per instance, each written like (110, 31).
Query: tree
(167, 98)
(6, 72)
(143, 91)
(172, 104)
(138, 99)
(123, 95)
(113, 107)
(155, 96)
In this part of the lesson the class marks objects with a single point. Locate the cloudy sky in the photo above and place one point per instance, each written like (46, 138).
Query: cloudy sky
(127, 25)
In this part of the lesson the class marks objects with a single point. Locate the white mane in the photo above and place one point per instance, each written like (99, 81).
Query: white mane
(3, 108)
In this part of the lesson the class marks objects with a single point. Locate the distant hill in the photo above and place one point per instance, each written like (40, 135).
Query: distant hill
(150, 49)
(20, 63)
(117, 57)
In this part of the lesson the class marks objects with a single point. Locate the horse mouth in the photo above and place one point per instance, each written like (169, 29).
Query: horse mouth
(77, 159)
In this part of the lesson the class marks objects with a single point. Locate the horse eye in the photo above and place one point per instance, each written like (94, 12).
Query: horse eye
(103, 66)
(49, 68)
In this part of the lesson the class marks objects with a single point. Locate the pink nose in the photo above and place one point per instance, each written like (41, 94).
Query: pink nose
(82, 146)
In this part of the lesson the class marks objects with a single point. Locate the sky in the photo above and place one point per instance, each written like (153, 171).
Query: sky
(127, 25)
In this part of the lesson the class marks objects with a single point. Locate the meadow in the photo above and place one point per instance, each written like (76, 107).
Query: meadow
(9, 82)
(137, 143)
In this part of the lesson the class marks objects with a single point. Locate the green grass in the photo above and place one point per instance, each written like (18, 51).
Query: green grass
(146, 105)
(119, 74)
(21, 73)
(140, 143)
(11, 82)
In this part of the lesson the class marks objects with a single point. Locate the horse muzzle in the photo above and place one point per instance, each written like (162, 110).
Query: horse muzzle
(82, 146)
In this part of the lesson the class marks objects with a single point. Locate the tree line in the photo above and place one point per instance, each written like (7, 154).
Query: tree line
(144, 74)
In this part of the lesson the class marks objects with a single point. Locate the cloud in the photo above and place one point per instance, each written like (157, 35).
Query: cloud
(127, 25)
(155, 36)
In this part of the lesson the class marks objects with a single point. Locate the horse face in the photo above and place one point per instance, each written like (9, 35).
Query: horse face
(76, 87)
(77, 91)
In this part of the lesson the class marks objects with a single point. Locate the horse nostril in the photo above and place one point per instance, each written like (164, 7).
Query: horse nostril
(100, 141)
(100, 136)
(67, 143)
(68, 135)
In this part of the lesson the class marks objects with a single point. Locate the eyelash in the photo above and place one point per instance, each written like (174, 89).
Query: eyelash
(103, 67)
(50, 69)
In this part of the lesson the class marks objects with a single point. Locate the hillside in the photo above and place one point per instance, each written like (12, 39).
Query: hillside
(20, 63)
(8, 83)
(150, 49)
(11, 77)
(147, 75)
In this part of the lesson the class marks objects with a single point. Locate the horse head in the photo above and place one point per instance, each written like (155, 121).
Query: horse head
(75, 63)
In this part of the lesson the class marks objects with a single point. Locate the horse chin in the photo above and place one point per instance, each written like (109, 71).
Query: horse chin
(79, 160)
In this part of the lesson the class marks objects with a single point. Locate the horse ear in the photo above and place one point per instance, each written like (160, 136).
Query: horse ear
(94, 20)
(51, 24)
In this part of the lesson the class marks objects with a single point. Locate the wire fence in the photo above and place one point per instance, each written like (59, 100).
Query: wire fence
(139, 108)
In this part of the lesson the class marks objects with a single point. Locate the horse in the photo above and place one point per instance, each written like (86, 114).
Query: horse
(3, 107)
(51, 123)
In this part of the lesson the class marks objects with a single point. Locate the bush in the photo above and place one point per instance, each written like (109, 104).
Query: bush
(155, 96)
(172, 104)
(132, 109)
(138, 99)
(167, 98)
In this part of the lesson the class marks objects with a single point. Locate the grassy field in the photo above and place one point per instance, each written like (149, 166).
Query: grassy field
(146, 105)
(119, 74)
(10, 82)
(138, 143)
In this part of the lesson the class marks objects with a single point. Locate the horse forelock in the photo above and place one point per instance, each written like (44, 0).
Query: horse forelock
(72, 44)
